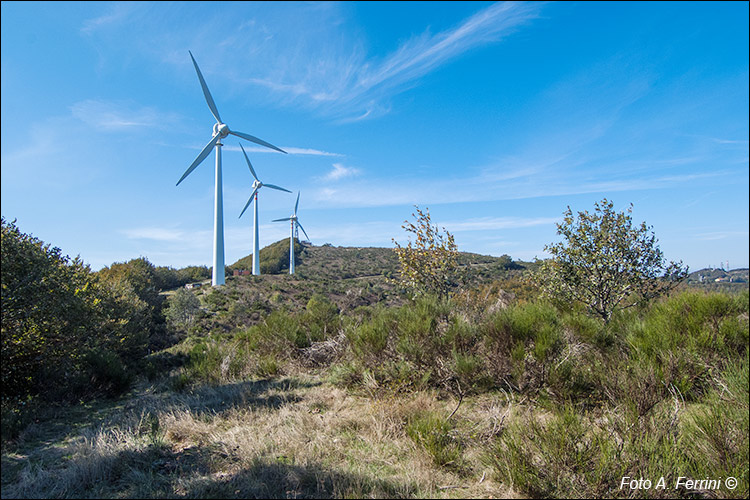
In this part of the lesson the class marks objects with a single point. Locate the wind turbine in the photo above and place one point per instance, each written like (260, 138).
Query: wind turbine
(256, 187)
(220, 131)
(293, 234)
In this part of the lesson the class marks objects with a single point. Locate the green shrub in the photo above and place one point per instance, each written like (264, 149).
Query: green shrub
(647, 435)
(522, 342)
(107, 372)
(716, 433)
(682, 339)
(321, 318)
(369, 340)
(182, 309)
(204, 362)
(563, 457)
(434, 434)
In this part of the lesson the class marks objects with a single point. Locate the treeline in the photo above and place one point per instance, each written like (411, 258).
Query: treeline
(68, 331)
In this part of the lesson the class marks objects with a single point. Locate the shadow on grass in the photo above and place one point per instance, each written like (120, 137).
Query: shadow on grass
(266, 479)
(46, 444)
(158, 471)
(266, 393)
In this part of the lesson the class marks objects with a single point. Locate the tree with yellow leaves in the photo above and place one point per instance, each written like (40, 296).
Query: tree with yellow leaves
(429, 264)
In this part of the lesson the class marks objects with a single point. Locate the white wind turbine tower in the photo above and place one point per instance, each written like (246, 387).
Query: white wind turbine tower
(220, 131)
(293, 234)
(256, 187)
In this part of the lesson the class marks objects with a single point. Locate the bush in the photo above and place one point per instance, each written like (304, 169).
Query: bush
(434, 434)
(565, 457)
(716, 434)
(182, 309)
(107, 372)
(321, 318)
(369, 339)
(522, 342)
(429, 264)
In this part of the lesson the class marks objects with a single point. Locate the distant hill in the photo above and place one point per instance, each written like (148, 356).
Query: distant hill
(707, 276)
(341, 263)
(348, 276)
(274, 258)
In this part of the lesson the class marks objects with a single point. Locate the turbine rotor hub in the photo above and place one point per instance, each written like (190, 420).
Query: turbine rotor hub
(221, 129)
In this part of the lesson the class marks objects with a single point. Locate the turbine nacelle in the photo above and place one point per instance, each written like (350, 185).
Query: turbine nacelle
(256, 184)
(294, 219)
(221, 129)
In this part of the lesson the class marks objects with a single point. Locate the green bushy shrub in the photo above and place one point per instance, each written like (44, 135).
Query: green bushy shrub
(107, 372)
(434, 434)
(321, 318)
(562, 457)
(369, 339)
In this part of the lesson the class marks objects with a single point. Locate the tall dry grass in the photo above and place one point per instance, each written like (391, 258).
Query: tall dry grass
(291, 437)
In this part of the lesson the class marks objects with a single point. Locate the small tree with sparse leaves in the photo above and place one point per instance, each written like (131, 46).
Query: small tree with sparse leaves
(606, 262)
(429, 263)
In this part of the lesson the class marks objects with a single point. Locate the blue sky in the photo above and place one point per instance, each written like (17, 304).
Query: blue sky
(495, 116)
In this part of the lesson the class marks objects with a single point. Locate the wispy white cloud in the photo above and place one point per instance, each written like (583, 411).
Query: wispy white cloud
(341, 171)
(326, 65)
(154, 233)
(721, 235)
(483, 187)
(118, 13)
(495, 223)
(338, 78)
(117, 116)
(422, 54)
(292, 150)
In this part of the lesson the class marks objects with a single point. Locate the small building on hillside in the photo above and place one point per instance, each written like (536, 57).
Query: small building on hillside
(190, 286)
(241, 272)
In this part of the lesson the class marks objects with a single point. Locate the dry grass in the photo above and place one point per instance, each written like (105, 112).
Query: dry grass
(281, 438)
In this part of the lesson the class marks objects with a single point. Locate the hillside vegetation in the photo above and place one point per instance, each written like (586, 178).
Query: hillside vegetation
(335, 383)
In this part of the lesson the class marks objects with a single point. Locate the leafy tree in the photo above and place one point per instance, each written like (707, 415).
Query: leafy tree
(65, 330)
(429, 264)
(47, 311)
(192, 274)
(182, 309)
(606, 262)
(133, 289)
(140, 274)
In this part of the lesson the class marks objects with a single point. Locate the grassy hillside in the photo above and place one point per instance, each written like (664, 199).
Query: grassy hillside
(330, 383)
(350, 277)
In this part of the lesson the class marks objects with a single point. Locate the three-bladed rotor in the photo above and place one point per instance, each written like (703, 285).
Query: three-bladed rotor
(257, 184)
(220, 129)
(294, 218)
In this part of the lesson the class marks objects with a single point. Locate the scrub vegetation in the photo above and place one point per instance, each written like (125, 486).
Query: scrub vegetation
(344, 381)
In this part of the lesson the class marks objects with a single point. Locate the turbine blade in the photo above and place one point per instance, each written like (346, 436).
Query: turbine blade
(303, 230)
(296, 204)
(249, 164)
(256, 140)
(276, 187)
(200, 158)
(280, 220)
(248, 202)
(206, 93)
